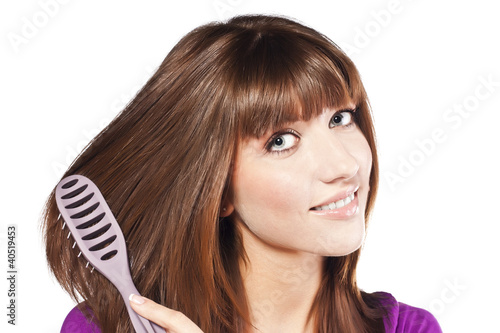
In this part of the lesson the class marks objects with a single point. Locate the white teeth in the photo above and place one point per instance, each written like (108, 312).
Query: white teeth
(338, 204)
(347, 200)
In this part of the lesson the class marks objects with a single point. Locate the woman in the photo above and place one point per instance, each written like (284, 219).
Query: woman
(242, 176)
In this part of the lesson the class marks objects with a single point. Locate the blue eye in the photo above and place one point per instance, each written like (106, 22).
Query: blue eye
(342, 118)
(282, 142)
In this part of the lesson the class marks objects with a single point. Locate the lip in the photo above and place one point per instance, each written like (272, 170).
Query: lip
(341, 195)
(343, 212)
(340, 213)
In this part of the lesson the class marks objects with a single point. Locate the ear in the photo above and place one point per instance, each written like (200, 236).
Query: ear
(226, 208)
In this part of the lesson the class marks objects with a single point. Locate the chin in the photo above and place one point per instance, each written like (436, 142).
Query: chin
(342, 246)
(349, 250)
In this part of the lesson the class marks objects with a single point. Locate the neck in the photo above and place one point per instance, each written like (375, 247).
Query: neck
(280, 286)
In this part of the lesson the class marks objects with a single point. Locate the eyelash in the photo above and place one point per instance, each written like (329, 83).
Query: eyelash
(270, 142)
(352, 113)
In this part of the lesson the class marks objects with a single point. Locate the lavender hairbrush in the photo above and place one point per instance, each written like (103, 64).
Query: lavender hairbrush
(99, 238)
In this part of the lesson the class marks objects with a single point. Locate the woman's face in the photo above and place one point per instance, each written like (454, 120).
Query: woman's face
(304, 187)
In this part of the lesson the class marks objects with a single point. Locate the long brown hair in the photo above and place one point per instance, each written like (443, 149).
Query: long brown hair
(164, 165)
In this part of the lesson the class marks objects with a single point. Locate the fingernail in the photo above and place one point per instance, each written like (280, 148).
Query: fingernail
(136, 299)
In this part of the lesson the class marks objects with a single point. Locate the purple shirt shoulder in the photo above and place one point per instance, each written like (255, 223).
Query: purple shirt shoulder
(401, 318)
(76, 322)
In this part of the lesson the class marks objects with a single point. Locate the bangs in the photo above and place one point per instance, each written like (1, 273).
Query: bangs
(283, 77)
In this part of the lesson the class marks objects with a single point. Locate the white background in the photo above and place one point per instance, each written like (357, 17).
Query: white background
(431, 242)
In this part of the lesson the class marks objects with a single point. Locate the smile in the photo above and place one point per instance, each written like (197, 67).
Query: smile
(339, 209)
(337, 204)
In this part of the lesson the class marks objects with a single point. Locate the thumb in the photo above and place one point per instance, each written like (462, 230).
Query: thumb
(172, 321)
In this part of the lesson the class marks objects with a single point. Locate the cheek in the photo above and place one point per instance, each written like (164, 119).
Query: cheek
(363, 155)
(262, 189)
(367, 157)
(361, 151)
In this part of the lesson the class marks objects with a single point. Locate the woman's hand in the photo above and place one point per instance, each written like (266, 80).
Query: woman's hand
(172, 321)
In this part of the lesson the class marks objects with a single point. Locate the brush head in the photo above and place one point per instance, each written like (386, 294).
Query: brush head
(93, 227)
(99, 238)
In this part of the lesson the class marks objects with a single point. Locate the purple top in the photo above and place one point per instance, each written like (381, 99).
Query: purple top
(76, 322)
(402, 318)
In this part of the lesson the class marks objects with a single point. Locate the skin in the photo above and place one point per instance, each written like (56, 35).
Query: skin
(277, 180)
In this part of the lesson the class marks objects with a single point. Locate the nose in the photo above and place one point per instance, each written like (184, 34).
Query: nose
(333, 157)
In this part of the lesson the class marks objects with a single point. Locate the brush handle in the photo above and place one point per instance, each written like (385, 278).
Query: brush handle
(141, 324)
(122, 280)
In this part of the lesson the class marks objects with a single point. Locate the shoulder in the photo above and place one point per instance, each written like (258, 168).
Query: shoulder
(405, 318)
(76, 322)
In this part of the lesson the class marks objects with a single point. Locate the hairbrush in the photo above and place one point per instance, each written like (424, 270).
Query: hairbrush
(99, 238)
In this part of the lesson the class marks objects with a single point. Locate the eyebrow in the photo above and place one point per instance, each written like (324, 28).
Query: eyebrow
(348, 108)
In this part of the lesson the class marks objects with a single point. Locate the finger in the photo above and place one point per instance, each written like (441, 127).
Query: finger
(172, 321)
